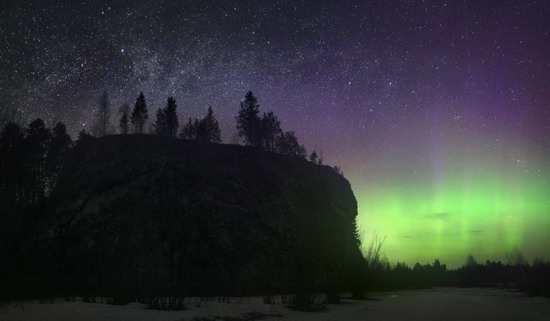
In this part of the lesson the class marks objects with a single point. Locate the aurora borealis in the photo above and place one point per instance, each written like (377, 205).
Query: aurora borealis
(438, 112)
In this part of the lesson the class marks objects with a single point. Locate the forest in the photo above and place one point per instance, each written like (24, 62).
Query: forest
(32, 157)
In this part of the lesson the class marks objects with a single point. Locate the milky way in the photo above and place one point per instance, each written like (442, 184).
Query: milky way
(438, 112)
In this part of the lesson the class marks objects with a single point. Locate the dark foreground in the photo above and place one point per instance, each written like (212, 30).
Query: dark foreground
(437, 304)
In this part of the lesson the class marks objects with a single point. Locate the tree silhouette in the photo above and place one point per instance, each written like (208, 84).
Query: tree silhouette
(313, 157)
(139, 114)
(10, 114)
(206, 130)
(35, 146)
(58, 149)
(171, 116)
(83, 137)
(248, 121)
(160, 125)
(103, 121)
(11, 158)
(124, 121)
(189, 130)
(270, 129)
(470, 261)
(209, 130)
(287, 144)
(166, 122)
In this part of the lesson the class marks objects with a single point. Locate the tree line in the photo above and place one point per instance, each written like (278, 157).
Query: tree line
(259, 131)
(32, 157)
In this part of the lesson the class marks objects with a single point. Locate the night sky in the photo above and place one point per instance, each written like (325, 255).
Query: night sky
(438, 112)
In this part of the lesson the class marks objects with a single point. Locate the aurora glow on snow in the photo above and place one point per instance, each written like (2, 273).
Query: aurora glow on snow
(438, 112)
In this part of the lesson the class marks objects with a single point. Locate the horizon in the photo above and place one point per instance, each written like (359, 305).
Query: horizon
(438, 113)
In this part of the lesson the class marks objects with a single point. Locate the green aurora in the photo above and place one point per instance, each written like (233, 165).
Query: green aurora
(485, 215)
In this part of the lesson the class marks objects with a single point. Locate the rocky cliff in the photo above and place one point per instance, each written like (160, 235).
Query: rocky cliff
(144, 213)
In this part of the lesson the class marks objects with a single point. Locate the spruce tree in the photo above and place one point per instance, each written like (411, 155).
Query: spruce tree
(160, 124)
(103, 121)
(12, 171)
(269, 131)
(212, 133)
(167, 122)
(188, 131)
(171, 116)
(36, 145)
(313, 157)
(248, 121)
(287, 144)
(124, 121)
(139, 114)
(57, 152)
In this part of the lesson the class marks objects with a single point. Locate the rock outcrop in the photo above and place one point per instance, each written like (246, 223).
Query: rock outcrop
(150, 214)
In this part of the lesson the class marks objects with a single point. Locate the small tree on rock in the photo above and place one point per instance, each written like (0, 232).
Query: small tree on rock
(248, 121)
(171, 117)
(103, 121)
(287, 144)
(139, 114)
(59, 147)
(124, 121)
(210, 132)
(270, 129)
(206, 130)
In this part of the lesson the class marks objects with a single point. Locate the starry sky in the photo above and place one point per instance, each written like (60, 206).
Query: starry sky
(438, 112)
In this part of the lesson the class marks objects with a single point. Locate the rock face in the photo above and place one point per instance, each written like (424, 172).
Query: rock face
(150, 214)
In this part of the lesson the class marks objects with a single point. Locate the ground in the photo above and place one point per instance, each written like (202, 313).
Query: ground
(434, 304)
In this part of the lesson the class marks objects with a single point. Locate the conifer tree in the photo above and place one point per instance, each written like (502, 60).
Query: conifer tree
(270, 129)
(287, 144)
(248, 121)
(11, 166)
(313, 157)
(171, 116)
(166, 122)
(124, 121)
(35, 145)
(139, 114)
(188, 131)
(211, 131)
(57, 152)
(206, 130)
(160, 124)
(103, 121)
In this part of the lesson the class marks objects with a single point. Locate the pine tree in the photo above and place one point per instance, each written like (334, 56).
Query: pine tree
(83, 137)
(124, 121)
(57, 152)
(206, 130)
(160, 124)
(188, 131)
(212, 133)
(313, 157)
(12, 169)
(172, 122)
(287, 144)
(269, 131)
(167, 122)
(103, 121)
(36, 145)
(139, 114)
(248, 121)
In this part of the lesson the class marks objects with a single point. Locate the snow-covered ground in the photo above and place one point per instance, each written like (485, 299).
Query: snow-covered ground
(437, 304)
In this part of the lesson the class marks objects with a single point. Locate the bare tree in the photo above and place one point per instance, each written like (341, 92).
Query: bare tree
(103, 121)
(124, 121)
